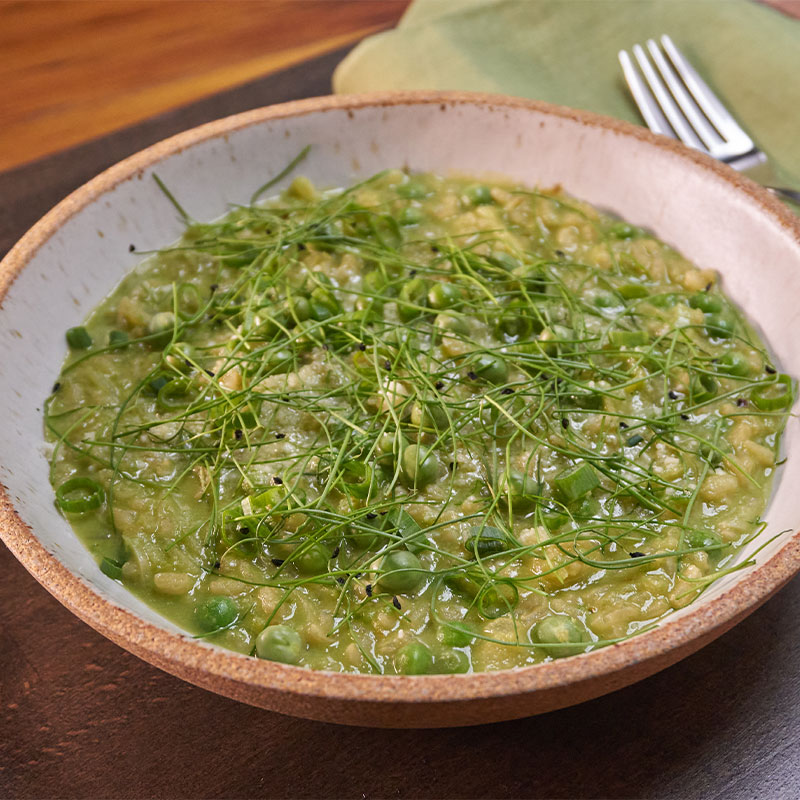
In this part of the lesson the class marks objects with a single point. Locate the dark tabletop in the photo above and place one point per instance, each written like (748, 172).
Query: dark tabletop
(79, 717)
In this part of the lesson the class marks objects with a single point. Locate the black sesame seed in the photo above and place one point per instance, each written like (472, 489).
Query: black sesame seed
(708, 288)
(387, 364)
(507, 390)
(340, 581)
(560, 253)
(187, 362)
(684, 416)
(278, 562)
(210, 373)
(412, 272)
(217, 564)
(238, 433)
(280, 435)
(450, 466)
(362, 347)
(673, 395)
(335, 552)
(244, 530)
(770, 370)
(439, 385)
(56, 386)
(434, 248)
(277, 481)
(301, 246)
(325, 347)
(396, 603)
(131, 248)
(623, 424)
(383, 513)
(636, 554)
(368, 589)
(472, 376)
(370, 515)
(741, 402)
(565, 423)
(214, 287)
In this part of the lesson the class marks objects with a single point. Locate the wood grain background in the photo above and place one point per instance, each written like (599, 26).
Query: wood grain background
(71, 71)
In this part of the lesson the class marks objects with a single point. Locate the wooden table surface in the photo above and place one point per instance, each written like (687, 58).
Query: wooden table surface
(79, 717)
(74, 70)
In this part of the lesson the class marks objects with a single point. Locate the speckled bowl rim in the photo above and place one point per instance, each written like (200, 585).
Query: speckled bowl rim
(224, 670)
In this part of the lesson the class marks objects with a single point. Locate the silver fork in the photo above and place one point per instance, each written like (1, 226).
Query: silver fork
(675, 101)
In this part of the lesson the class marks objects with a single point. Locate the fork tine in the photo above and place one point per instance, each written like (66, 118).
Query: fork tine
(709, 103)
(668, 106)
(644, 99)
(709, 136)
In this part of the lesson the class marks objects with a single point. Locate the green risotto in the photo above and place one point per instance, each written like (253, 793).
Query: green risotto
(418, 425)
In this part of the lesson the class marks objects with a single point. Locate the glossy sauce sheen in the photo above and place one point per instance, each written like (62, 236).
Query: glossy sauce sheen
(418, 425)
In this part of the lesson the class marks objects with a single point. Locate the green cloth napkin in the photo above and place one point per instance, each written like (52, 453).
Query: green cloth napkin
(565, 51)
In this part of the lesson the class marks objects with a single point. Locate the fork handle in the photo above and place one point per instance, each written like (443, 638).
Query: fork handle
(787, 194)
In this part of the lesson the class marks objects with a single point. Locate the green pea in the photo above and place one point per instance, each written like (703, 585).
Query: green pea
(450, 324)
(78, 338)
(719, 326)
(279, 643)
(401, 571)
(323, 304)
(621, 230)
(419, 466)
(299, 308)
(279, 361)
(522, 490)
(413, 659)
(478, 194)
(411, 216)
(456, 634)
(444, 295)
(313, 560)
(451, 662)
(707, 303)
(734, 364)
(559, 636)
(216, 613)
(491, 368)
(161, 326)
(374, 283)
(413, 299)
(118, 338)
(428, 414)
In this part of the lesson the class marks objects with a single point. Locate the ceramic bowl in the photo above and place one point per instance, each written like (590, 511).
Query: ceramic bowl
(72, 258)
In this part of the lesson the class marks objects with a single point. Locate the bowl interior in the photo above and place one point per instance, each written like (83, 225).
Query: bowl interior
(80, 252)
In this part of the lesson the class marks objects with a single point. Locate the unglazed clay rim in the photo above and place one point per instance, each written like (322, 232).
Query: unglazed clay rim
(222, 669)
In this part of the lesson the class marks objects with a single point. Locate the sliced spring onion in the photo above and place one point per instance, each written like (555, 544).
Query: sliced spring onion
(775, 395)
(117, 338)
(111, 568)
(575, 483)
(79, 494)
(356, 479)
(78, 338)
(175, 394)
